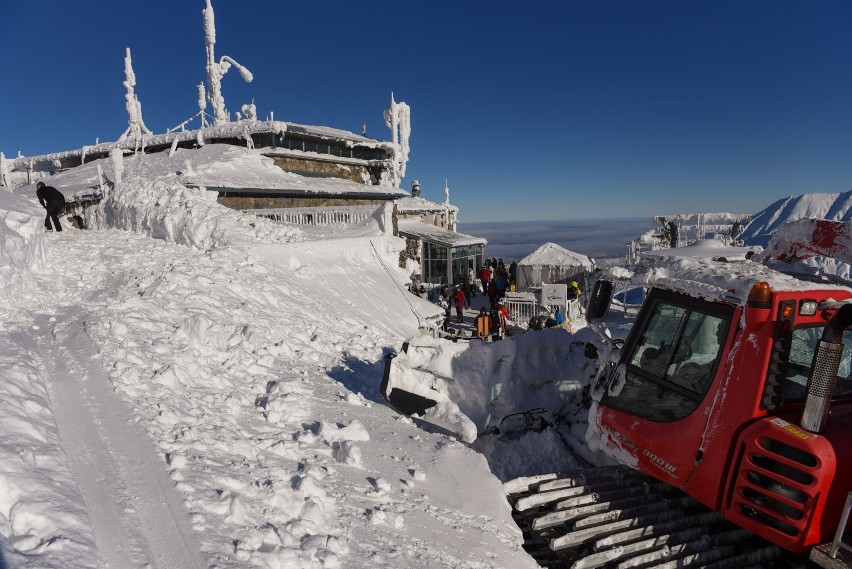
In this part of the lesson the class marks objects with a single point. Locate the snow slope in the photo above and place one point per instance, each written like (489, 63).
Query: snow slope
(835, 207)
(188, 386)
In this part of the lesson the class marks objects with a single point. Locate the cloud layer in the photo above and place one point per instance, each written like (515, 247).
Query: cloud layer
(597, 238)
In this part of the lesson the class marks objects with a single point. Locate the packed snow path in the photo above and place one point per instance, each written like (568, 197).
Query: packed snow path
(137, 516)
(168, 407)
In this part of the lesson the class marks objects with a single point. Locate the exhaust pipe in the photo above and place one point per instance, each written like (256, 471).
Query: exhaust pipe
(824, 368)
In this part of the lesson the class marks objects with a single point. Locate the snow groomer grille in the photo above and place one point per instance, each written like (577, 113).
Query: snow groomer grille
(777, 486)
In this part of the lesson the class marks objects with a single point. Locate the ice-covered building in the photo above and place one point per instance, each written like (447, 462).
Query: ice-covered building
(349, 169)
(313, 154)
(429, 228)
(292, 173)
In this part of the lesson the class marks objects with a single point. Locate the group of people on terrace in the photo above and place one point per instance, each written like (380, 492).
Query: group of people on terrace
(493, 279)
(496, 279)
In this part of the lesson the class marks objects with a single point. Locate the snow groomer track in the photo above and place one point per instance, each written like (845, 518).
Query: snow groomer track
(615, 517)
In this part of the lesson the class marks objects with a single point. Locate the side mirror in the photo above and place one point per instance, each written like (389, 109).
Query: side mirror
(599, 300)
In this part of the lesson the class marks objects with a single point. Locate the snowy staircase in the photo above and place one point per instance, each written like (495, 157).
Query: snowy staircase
(615, 517)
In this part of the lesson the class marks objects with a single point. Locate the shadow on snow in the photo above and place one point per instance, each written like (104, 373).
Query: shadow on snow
(359, 376)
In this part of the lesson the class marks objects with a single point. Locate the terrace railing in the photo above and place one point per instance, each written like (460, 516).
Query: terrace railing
(329, 215)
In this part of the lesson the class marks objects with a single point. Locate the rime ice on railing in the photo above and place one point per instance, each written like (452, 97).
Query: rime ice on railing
(202, 104)
(116, 156)
(398, 119)
(4, 173)
(215, 71)
(135, 125)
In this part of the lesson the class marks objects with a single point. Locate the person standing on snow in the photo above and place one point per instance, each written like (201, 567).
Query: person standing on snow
(468, 290)
(483, 325)
(484, 277)
(501, 307)
(443, 303)
(574, 291)
(458, 297)
(498, 324)
(53, 201)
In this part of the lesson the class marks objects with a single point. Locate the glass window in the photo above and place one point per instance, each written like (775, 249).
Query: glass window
(672, 363)
(798, 367)
(434, 263)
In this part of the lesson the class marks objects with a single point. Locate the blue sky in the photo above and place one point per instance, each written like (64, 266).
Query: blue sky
(549, 110)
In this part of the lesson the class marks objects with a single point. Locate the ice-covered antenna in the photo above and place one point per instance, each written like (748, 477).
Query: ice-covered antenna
(135, 125)
(398, 119)
(215, 71)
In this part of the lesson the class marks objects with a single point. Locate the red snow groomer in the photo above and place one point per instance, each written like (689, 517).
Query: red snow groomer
(734, 387)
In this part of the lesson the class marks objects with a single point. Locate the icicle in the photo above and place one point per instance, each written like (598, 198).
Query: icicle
(215, 71)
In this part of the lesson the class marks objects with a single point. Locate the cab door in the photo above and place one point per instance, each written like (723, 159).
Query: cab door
(652, 407)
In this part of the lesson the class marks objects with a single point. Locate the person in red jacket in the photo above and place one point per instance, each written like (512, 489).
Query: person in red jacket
(501, 306)
(458, 297)
(484, 277)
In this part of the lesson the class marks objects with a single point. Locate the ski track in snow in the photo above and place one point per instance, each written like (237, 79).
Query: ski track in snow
(134, 509)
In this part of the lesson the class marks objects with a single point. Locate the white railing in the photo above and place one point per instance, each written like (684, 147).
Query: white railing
(521, 307)
(329, 215)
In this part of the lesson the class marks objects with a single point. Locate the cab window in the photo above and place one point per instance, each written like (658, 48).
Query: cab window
(798, 366)
(672, 362)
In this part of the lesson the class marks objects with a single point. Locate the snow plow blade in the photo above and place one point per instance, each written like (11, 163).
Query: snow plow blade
(415, 392)
(402, 401)
(619, 517)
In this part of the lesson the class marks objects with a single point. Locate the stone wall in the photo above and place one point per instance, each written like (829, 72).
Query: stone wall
(411, 251)
(352, 173)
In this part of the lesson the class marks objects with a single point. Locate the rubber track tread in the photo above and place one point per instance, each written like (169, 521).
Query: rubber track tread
(616, 517)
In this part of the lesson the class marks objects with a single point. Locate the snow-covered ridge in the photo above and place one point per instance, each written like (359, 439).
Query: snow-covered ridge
(835, 207)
